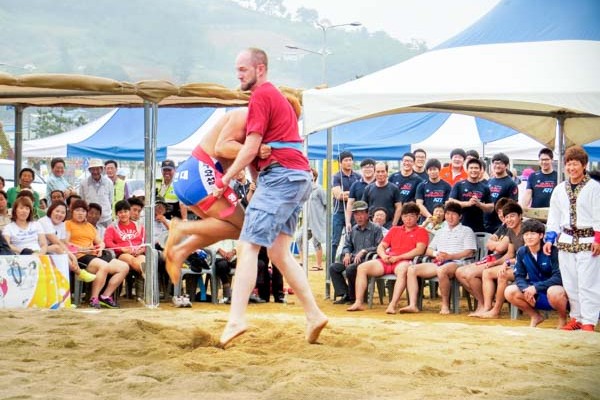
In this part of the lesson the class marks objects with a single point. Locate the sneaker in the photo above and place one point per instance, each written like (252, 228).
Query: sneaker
(177, 302)
(108, 302)
(185, 301)
(94, 303)
(85, 276)
(588, 327)
(572, 325)
(254, 298)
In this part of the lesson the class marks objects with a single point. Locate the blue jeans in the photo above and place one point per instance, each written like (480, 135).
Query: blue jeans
(339, 223)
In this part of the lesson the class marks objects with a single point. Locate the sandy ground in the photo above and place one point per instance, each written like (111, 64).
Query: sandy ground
(169, 353)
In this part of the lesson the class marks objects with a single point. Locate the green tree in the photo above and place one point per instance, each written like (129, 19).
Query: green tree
(53, 121)
(307, 15)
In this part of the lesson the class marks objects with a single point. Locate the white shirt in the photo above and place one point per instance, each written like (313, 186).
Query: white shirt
(27, 238)
(50, 229)
(454, 240)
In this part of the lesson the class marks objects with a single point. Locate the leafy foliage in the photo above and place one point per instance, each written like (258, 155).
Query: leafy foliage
(55, 120)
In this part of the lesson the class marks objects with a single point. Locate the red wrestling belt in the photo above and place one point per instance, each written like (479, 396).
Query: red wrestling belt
(199, 154)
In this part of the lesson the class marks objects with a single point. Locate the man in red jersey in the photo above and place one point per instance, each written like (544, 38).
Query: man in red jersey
(283, 185)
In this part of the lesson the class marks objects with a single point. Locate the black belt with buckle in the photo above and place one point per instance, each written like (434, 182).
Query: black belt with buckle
(270, 167)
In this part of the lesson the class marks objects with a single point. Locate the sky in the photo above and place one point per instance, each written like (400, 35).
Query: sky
(431, 20)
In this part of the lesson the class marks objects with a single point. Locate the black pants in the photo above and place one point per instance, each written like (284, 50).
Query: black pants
(340, 287)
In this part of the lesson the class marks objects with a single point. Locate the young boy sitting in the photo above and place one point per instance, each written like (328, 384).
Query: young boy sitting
(537, 278)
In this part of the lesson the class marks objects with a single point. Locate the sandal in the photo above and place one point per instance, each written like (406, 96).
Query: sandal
(316, 269)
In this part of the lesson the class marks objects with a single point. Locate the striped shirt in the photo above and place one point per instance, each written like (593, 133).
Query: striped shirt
(454, 240)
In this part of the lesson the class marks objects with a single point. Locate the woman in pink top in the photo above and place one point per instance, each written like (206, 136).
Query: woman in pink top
(126, 238)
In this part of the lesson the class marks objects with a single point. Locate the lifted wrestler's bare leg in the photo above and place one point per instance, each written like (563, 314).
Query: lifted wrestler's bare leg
(202, 233)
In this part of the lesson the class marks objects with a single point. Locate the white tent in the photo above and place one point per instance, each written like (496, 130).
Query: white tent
(525, 65)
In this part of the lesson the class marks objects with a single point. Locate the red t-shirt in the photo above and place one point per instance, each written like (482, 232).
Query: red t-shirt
(118, 235)
(273, 117)
(400, 241)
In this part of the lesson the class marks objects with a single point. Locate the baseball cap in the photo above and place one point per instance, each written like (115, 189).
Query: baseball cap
(360, 206)
(167, 164)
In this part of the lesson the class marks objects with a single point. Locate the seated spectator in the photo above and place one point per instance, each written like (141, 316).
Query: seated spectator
(4, 217)
(2, 183)
(53, 225)
(226, 257)
(435, 221)
(126, 238)
(379, 218)
(83, 239)
(43, 205)
(56, 179)
(57, 195)
(70, 201)
(538, 284)
(93, 217)
(449, 248)
(37, 212)
(137, 210)
(498, 273)
(23, 234)
(26, 177)
(361, 240)
(269, 281)
(497, 244)
(396, 252)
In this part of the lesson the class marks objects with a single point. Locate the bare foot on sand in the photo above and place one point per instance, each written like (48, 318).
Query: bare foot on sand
(391, 309)
(314, 328)
(230, 332)
(536, 320)
(489, 315)
(477, 313)
(445, 310)
(409, 309)
(356, 307)
(172, 266)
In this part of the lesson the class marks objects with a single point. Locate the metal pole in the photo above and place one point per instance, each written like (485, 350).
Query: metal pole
(305, 221)
(18, 145)
(330, 258)
(151, 291)
(560, 146)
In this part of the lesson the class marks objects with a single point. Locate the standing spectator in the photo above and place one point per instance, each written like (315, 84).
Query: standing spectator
(26, 177)
(23, 234)
(420, 164)
(362, 239)
(4, 217)
(484, 177)
(501, 185)
(166, 191)
(433, 191)
(56, 180)
(98, 189)
(574, 217)
(455, 172)
(538, 285)
(473, 196)
(383, 193)
(110, 166)
(541, 184)
(342, 181)
(406, 179)
(316, 218)
(367, 171)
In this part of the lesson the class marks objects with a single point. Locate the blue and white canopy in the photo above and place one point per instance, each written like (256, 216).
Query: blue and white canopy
(523, 64)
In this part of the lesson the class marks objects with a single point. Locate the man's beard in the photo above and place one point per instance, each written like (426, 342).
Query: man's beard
(249, 85)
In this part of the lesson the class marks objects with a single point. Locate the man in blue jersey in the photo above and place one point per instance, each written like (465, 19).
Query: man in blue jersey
(406, 179)
(473, 196)
(342, 181)
(501, 185)
(434, 191)
(541, 183)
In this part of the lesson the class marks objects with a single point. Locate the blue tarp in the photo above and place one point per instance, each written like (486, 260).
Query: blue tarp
(122, 137)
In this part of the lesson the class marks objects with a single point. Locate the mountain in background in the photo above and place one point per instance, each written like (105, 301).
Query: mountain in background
(184, 41)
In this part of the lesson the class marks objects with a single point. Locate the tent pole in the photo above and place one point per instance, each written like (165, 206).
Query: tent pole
(330, 258)
(305, 221)
(18, 143)
(151, 294)
(560, 146)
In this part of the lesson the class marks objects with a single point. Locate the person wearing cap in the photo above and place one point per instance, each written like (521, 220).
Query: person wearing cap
(97, 188)
(449, 249)
(455, 172)
(166, 189)
(434, 191)
(538, 284)
(541, 184)
(574, 225)
(501, 185)
(406, 179)
(26, 177)
(367, 171)
(342, 182)
(110, 167)
(395, 253)
(361, 240)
